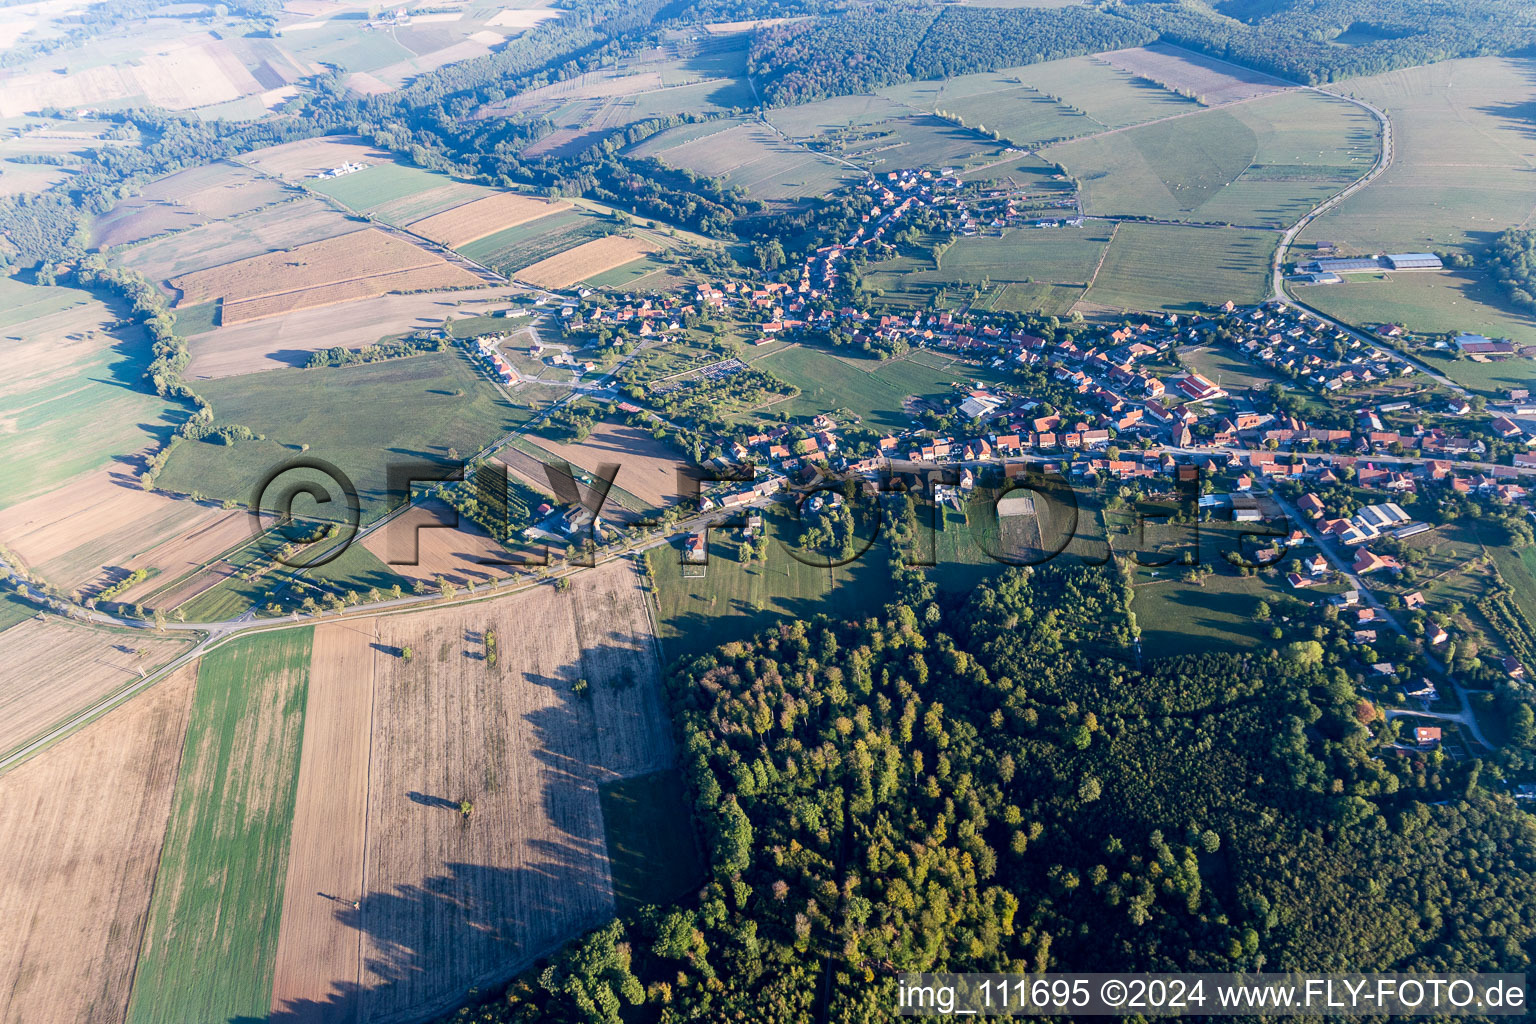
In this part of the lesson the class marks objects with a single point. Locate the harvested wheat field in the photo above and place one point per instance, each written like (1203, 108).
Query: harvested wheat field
(361, 254)
(449, 902)
(431, 540)
(483, 217)
(435, 277)
(54, 668)
(83, 824)
(318, 951)
(647, 467)
(100, 521)
(288, 340)
(182, 556)
(295, 161)
(586, 260)
(273, 228)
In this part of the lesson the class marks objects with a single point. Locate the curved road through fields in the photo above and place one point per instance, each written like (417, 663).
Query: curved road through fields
(1277, 273)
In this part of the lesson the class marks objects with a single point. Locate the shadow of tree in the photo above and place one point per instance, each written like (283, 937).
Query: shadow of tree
(430, 946)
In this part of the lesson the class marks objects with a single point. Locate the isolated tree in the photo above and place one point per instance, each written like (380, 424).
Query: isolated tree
(406, 654)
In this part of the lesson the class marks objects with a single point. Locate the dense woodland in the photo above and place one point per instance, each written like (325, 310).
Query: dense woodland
(885, 44)
(1512, 259)
(998, 786)
(1303, 40)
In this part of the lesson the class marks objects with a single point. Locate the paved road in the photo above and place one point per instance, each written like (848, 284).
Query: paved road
(1277, 273)
(1331, 552)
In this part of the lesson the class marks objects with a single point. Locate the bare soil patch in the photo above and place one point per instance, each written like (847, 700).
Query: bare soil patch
(647, 467)
(199, 545)
(586, 260)
(318, 953)
(483, 217)
(81, 826)
(430, 540)
(99, 520)
(54, 668)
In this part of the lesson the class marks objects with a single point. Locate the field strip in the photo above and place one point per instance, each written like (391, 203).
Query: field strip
(209, 947)
(86, 825)
(326, 284)
(318, 965)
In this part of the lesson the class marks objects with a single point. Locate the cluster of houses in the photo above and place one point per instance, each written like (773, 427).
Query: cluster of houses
(485, 350)
(961, 209)
(1300, 345)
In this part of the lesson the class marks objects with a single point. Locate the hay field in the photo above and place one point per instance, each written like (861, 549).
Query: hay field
(297, 161)
(83, 824)
(340, 269)
(1014, 263)
(1182, 269)
(450, 903)
(750, 155)
(483, 217)
(1442, 301)
(1262, 162)
(361, 418)
(289, 340)
(54, 668)
(210, 944)
(274, 228)
(73, 397)
(1181, 70)
(1112, 97)
(586, 260)
(317, 957)
(647, 467)
(98, 520)
(1462, 169)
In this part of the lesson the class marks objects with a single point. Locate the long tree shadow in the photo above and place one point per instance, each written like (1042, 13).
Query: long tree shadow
(429, 946)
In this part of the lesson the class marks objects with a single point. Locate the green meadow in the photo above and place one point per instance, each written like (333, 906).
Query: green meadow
(211, 939)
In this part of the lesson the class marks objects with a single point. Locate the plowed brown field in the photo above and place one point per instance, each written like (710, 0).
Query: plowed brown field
(483, 217)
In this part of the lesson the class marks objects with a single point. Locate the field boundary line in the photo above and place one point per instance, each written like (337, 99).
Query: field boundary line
(1102, 257)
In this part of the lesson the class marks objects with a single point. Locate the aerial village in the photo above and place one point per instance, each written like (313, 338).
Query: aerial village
(1106, 404)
